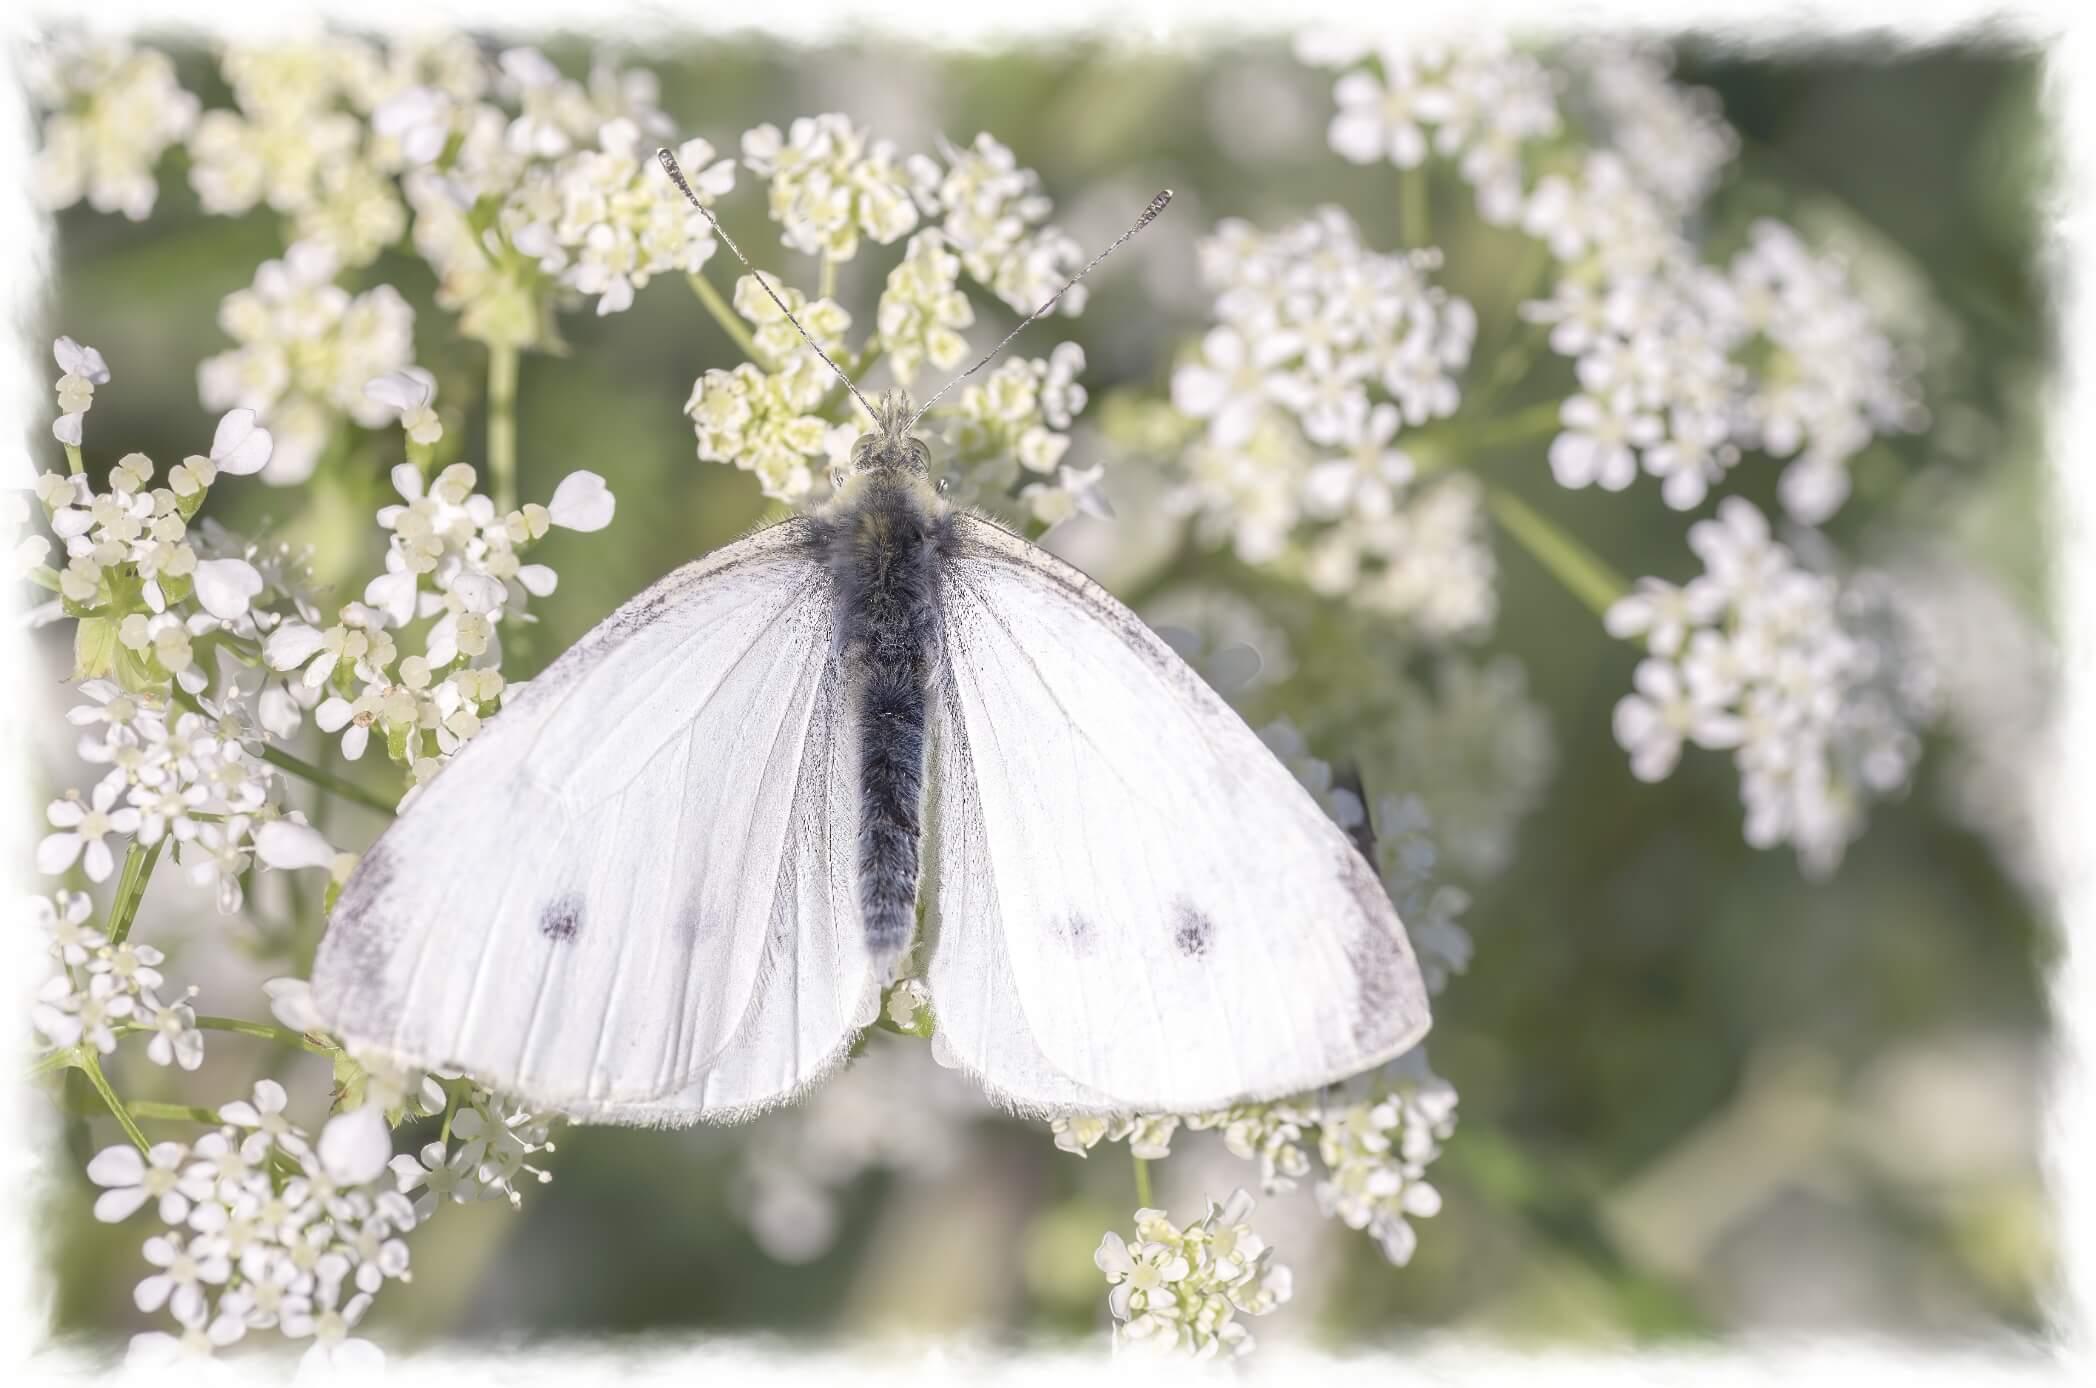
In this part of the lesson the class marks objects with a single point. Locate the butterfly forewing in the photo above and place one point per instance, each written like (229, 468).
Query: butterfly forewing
(622, 899)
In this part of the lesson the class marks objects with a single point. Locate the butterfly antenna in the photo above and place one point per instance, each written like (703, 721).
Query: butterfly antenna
(669, 166)
(1157, 205)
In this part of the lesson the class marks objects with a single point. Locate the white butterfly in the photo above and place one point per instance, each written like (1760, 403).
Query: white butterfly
(671, 878)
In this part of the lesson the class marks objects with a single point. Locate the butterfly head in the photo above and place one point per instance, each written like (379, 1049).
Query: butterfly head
(891, 445)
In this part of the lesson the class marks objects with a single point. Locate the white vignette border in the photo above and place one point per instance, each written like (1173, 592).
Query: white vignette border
(2069, 1139)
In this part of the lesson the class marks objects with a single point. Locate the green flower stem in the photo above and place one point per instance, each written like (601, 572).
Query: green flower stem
(44, 576)
(348, 790)
(730, 323)
(1142, 1184)
(502, 424)
(174, 1113)
(73, 459)
(281, 1035)
(131, 888)
(1584, 575)
(306, 771)
(1412, 210)
(93, 1066)
(826, 288)
(1453, 445)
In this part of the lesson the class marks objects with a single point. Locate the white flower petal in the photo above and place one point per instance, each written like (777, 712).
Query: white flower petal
(241, 446)
(355, 1146)
(283, 844)
(226, 586)
(581, 502)
(292, 645)
(538, 580)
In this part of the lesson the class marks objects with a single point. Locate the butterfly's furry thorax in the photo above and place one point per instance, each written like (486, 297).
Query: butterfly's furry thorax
(884, 540)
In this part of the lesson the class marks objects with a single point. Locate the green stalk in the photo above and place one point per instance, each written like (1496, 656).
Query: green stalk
(174, 1113)
(730, 323)
(1142, 1185)
(826, 287)
(1412, 210)
(131, 888)
(73, 460)
(1584, 575)
(282, 1035)
(93, 1066)
(502, 424)
(348, 790)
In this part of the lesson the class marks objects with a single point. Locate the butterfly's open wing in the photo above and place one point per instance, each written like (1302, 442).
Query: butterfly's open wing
(631, 897)
(1136, 905)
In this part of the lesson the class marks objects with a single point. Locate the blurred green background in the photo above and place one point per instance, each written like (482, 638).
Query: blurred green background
(1701, 1095)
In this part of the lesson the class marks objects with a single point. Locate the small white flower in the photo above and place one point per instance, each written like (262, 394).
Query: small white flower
(82, 829)
(185, 1272)
(130, 1180)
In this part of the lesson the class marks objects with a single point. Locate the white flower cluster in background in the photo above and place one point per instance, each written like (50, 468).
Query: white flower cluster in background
(1784, 667)
(892, 1109)
(1322, 354)
(114, 110)
(307, 348)
(1681, 365)
(1180, 1291)
(994, 216)
(1481, 105)
(1673, 137)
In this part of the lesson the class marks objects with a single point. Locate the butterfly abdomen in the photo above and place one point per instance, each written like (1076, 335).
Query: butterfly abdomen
(885, 545)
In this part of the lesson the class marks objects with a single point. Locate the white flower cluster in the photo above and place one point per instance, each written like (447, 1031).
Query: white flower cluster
(114, 110)
(454, 562)
(828, 184)
(603, 221)
(261, 1232)
(164, 612)
(1680, 365)
(1776, 663)
(993, 213)
(785, 417)
(1674, 138)
(1375, 1134)
(1481, 105)
(1005, 439)
(1829, 380)
(307, 349)
(101, 987)
(1323, 352)
(1180, 1291)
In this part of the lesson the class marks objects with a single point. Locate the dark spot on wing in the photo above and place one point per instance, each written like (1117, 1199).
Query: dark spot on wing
(561, 918)
(1078, 934)
(1192, 932)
